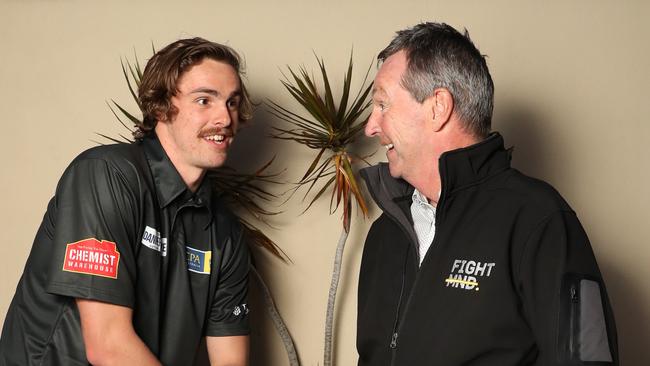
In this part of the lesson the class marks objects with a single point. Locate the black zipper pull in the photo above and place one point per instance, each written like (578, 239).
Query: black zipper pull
(393, 341)
(574, 294)
(573, 322)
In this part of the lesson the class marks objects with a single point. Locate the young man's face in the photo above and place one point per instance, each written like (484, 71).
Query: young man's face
(198, 137)
(399, 121)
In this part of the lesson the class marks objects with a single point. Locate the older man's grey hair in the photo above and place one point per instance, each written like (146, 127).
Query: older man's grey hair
(441, 57)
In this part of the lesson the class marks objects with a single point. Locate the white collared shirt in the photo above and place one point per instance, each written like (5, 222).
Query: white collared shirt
(424, 222)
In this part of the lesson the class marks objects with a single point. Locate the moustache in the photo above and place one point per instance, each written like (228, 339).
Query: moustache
(227, 132)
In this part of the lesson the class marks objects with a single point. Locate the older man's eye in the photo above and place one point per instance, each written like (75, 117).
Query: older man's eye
(379, 105)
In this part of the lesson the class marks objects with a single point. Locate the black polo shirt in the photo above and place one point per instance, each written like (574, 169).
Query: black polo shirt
(123, 228)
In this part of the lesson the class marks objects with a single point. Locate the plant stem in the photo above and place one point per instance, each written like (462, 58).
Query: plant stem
(277, 320)
(331, 300)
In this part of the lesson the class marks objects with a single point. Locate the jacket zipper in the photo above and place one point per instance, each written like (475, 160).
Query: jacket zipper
(573, 314)
(398, 324)
(393, 338)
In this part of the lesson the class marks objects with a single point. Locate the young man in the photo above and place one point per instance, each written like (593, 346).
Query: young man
(136, 261)
(471, 262)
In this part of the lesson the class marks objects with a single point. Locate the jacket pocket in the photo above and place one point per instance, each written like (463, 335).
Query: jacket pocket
(582, 328)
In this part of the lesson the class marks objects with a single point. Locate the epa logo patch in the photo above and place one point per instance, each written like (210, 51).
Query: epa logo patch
(198, 261)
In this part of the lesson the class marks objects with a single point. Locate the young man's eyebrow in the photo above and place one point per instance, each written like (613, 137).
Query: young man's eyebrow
(205, 90)
(214, 92)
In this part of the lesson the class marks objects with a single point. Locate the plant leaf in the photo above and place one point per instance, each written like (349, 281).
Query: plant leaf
(313, 165)
(322, 190)
(325, 126)
(126, 113)
(347, 81)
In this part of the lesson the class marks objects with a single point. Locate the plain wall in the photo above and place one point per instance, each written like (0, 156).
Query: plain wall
(571, 95)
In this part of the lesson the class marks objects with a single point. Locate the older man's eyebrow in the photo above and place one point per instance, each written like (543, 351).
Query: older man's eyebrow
(377, 90)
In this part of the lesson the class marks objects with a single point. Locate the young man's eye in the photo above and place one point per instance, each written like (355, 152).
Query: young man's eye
(202, 101)
(233, 103)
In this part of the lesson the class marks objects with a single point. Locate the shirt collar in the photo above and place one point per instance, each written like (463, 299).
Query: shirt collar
(421, 199)
(169, 184)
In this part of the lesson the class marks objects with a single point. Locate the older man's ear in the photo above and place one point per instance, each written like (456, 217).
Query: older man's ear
(442, 106)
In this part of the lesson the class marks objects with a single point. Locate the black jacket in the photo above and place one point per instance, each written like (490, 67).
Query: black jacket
(510, 278)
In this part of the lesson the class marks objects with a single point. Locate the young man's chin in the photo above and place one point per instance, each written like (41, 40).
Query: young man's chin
(212, 163)
(215, 165)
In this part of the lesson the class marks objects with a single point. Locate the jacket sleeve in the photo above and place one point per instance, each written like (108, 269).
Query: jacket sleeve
(564, 297)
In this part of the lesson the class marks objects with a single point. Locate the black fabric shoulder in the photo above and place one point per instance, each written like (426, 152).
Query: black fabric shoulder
(96, 211)
(127, 159)
(535, 192)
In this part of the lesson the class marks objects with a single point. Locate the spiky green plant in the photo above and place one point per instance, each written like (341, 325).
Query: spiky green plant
(330, 129)
(240, 191)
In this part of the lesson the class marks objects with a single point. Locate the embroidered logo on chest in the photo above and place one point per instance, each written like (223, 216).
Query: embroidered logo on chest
(152, 239)
(198, 261)
(465, 274)
(92, 257)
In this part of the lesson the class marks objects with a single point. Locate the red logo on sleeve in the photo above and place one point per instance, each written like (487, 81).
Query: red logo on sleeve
(90, 256)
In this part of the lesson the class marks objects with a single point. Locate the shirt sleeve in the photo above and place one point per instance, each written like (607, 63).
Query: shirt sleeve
(94, 233)
(564, 296)
(229, 310)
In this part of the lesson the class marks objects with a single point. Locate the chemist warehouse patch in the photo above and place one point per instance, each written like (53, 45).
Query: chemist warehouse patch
(466, 274)
(92, 257)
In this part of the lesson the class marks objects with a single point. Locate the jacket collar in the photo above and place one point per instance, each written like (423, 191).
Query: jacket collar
(391, 195)
(458, 169)
(470, 165)
(169, 184)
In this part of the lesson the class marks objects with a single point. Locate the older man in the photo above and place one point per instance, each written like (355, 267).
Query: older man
(136, 261)
(471, 262)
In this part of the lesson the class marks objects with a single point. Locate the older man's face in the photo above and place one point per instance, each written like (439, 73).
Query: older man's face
(401, 123)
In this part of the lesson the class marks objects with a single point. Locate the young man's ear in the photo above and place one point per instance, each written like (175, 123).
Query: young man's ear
(166, 117)
(442, 105)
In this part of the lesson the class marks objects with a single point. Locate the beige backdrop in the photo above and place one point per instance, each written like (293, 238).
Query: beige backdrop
(571, 96)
